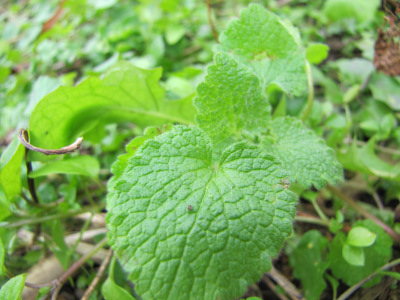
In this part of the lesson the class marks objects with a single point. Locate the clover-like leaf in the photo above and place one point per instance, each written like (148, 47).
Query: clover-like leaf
(376, 255)
(186, 228)
(305, 155)
(124, 93)
(230, 102)
(271, 46)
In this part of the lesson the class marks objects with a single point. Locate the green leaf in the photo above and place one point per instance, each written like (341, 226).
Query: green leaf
(85, 165)
(376, 255)
(111, 290)
(3, 271)
(12, 289)
(360, 237)
(124, 93)
(309, 265)
(230, 102)
(365, 160)
(392, 274)
(316, 53)
(361, 10)
(185, 227)
(305, 155)
(119, 165)
(10, 169)
(353, 255)
(173, 33)
(271, 47)
(386, 89)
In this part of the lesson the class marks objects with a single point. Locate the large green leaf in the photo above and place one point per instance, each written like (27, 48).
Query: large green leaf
(270, 46)
(187, 228)
(124, 93)
(230, 102)
(305, 155)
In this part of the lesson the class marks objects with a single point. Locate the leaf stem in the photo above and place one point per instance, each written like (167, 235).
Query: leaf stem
(352, 289)
(395, 236)
(310, 98)
(99, 274)
(319, 211)
(312, 220)
(212, 25)
(48, 218)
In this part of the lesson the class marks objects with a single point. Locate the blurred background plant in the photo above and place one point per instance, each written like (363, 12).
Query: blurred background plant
(47, 44)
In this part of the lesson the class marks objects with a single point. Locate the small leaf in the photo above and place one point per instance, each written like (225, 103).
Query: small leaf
(395, 275)
(305, 155)
(12, 289)
(353, 255)
(183, 226)
(125, 93)
(360, 237)
(309, 264)
(270, 45)
(351, 93)
(173, 33)
(80, 165)
(376, 256)
(10, 172)
(316, 53)
(111, 290)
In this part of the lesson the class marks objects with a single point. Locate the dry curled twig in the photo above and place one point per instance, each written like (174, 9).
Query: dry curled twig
(23, 137)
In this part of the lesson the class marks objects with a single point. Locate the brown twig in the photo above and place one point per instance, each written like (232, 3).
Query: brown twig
(212, 25)
(364, 212)
(272, 287)
(353, 288)
(23, 137)
(285, 283)
(50, 23)
(99, 274)
(58, 283)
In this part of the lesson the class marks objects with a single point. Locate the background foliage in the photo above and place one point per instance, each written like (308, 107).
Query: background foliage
(151, 55)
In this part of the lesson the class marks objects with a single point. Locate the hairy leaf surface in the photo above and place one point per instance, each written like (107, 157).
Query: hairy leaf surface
(125, 93)
(187, 228)
(305, 155)
(230, 102)
(270, 45)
